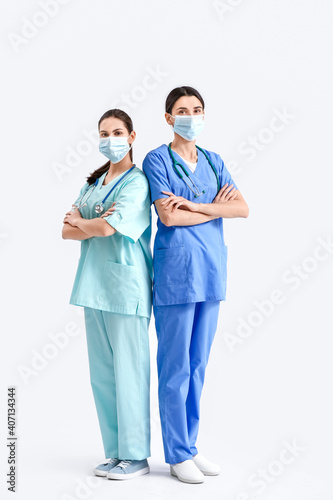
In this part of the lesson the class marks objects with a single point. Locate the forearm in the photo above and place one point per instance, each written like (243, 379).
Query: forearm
(95, 227)
(70, 232)
(186, 218)
(225, 209)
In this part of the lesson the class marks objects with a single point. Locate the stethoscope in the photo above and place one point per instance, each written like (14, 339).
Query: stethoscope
(99, 207)
(175, 163)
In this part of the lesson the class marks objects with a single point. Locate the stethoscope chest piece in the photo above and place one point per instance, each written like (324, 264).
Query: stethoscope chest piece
(197, 195)
(99, 208)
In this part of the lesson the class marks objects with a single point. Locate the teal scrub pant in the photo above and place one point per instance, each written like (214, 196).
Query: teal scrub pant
(185, 335)
(119, 365)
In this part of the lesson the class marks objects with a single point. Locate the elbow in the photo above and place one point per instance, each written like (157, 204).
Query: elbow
(64, 233)
(246, 211)
(107, 230)
(166, 219)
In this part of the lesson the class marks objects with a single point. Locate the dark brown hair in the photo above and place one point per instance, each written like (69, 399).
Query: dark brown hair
(116, 113)
(178, 92)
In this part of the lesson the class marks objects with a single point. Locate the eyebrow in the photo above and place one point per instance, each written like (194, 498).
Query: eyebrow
(183, 107)
(112, 130)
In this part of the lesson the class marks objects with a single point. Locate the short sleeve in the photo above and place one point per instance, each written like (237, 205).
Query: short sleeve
(132, 209)
(225, 176)
(155, 171)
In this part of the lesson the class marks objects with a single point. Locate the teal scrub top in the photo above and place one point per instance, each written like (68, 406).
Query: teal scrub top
(190, 262)
(115, 272)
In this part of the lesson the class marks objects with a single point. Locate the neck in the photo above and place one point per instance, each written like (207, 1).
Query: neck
(184, 148)
(117, 168)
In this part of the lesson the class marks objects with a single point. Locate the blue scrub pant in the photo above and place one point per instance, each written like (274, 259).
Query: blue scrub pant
(119, 364)
(185, 334)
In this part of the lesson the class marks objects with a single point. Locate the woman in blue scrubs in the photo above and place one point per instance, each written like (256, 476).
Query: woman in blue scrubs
(192, 191)
(112, 219)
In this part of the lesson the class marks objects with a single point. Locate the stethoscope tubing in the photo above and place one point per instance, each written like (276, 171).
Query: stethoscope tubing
(100, 205)
(176, 163)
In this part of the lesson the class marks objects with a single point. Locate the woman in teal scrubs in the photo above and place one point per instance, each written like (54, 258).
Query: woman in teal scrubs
(192, 191)
(112, 219)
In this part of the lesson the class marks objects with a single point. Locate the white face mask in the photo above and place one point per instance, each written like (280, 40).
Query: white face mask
(114, 148)
(188, 126)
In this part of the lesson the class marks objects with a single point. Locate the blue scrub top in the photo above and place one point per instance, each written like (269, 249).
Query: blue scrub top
(115, 272)
(190, 262)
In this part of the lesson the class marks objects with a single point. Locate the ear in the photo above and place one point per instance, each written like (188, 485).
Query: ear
(132, 137)
(169, 119)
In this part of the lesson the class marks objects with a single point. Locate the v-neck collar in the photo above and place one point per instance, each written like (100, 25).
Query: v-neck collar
(109, 184)
(181, 160)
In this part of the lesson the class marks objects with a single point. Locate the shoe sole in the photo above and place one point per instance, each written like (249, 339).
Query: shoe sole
(210, 473)
(100, 473)
(128, 476)
(189, 481)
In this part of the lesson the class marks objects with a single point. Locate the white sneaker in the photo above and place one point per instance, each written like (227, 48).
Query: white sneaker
(206, 467)
(187, 472)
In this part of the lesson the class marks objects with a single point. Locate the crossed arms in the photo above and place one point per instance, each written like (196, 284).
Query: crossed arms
(178, 211)
(173, 211)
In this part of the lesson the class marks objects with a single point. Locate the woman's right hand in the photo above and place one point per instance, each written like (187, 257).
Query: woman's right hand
(110, 210)
(225, 194)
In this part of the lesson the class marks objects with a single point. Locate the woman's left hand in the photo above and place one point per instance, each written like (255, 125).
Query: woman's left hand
(73, 216)
(110, 211)
(226, 193)
(178, 202)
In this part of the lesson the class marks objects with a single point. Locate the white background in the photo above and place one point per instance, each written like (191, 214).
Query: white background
(250, 60)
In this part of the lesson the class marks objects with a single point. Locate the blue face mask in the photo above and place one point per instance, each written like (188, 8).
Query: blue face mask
(114, 148)
(188, 126)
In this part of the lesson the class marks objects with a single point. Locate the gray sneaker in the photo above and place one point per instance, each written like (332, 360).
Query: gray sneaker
(128, 469)
(105, 467)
